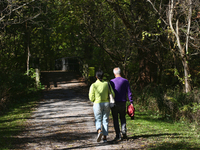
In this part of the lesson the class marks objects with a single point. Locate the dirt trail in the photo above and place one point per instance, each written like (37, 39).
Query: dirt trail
(64, 120)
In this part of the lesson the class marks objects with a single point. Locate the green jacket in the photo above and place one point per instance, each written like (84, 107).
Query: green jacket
(99, 92)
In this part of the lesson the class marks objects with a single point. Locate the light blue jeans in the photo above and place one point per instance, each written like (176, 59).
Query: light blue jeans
(101, 115)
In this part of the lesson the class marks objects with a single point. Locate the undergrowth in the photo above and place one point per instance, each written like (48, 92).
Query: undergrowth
(172, 104)
(166, 118)
(12, 120)
(18, 95)
(156, 133)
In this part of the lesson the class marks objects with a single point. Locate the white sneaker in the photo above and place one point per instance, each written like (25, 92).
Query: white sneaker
(99, 136)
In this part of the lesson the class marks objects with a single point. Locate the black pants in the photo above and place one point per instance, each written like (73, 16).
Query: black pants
(119, 112)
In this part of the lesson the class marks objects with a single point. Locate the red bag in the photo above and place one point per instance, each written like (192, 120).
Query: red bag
(131, 111)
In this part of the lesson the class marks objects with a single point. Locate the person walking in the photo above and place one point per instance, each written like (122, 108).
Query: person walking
(122, 90)
(99, 95)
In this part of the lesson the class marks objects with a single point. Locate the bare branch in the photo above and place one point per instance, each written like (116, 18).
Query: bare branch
(189, 24)
(15, 8)
(156, 11)
(195, 54)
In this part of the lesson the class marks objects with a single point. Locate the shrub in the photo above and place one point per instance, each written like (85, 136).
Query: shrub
(172, 104)
(15, 85)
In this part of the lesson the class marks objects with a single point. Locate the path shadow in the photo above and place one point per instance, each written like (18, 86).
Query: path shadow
(151, 135)
(67, 138)
(175, 146)
(78, 94)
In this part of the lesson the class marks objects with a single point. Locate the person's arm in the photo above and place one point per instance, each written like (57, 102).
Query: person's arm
(129, 93)
(92, 93)
(111, 91)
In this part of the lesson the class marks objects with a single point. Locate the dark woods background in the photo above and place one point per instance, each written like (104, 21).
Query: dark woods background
(156, 44)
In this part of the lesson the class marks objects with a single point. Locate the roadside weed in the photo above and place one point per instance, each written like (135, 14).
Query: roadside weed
(158, 133)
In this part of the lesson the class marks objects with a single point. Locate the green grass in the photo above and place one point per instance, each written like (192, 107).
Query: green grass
(12, 121)
(154, 133)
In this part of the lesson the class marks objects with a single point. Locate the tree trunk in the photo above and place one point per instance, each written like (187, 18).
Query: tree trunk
(37, 76)
(182, 51)
(186, 76)
(28, 58)
(28, 49)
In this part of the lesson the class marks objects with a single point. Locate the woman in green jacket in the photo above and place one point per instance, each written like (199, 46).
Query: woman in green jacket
(99, 95)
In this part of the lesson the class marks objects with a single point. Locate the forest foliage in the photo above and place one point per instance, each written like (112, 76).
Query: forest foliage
(155, 43)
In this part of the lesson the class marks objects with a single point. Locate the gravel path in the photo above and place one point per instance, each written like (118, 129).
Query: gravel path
(64, 120)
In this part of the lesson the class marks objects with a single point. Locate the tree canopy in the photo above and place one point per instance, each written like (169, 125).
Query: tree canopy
(152, 41)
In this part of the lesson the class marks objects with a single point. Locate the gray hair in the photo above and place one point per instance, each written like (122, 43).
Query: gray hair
(117, 70)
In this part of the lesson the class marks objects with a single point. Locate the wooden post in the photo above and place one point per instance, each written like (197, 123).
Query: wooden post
(37, 77)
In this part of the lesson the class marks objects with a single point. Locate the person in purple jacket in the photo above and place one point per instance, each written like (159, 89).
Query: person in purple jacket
(122, 89)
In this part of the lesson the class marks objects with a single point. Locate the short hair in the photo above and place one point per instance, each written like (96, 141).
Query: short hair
(99, 74)
(117, 70)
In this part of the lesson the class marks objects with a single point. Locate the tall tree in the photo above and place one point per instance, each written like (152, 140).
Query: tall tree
(180, 23)
(139, 20)
(19, 13)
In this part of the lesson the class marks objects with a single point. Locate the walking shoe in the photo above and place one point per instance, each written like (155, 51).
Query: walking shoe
(100, 134)
(124, 136)
(117, 138)
(105, 140)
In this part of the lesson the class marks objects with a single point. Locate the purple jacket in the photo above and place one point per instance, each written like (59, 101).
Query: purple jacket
(122, 89)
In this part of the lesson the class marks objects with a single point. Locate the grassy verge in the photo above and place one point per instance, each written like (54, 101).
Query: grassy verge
(12, 121)
(154, 133)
